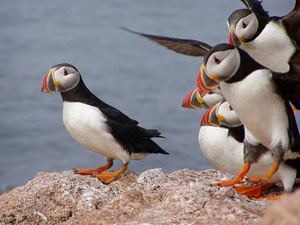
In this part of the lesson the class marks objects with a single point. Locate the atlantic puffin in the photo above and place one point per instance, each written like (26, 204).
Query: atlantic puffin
(221, 137)
(254, 92)
(262, 36)
(97, 125)
(193, 100)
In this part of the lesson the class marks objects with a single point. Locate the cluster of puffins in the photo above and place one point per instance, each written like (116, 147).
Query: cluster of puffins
(250, 88)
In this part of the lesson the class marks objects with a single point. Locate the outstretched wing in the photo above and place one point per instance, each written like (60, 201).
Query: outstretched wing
(256, 7)
(182, 46)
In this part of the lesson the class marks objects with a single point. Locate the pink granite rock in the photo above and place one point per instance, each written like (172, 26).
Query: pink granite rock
(285, 210)
(183, 197)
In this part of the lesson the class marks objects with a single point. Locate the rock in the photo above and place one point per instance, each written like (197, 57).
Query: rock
(183, 197)
(285, 210)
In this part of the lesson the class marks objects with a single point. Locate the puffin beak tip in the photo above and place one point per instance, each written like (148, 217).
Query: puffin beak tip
(48, 84)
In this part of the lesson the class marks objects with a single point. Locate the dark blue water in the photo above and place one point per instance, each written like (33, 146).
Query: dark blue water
(142, 79)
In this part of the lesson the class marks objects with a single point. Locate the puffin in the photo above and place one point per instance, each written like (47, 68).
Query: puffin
(254, 92)
(289, 61)
(221, 137)
(98, 126)
(193, 100)
(272, 41)
(262, 36)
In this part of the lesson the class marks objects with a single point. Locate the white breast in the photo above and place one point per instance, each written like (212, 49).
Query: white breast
(226, 154)
(259, 108)
(272, 48)
(223, 153)
(86, 124)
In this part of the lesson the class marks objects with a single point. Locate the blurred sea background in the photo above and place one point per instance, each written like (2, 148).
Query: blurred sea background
(142, 79)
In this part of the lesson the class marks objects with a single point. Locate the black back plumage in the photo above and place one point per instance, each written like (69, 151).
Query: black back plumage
(125, 130)
(238, 133)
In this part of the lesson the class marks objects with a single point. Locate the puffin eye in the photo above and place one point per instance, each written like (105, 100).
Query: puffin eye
(66, 72)
(230, 107)
(218, 61)
(244, 25)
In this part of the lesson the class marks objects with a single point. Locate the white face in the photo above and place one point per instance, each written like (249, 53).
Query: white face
(229, 116)
(223, 64)
(247, 27)
(65, 78)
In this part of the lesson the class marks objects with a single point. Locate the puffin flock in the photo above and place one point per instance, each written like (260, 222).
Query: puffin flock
(250, 88)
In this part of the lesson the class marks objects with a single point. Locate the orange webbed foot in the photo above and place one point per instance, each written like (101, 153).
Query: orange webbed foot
(267, 198)
(106, 178)
(97, 170)
(228, 183)
(239, 178)
(253, 191)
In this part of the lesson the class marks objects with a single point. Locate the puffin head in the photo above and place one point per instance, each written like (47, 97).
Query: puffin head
(219, 64)
(219, 115)
(62, 78)
(193, 100)
(227, 116)
(243, 26)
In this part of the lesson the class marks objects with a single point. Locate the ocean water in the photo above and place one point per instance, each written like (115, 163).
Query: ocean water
(142, 79)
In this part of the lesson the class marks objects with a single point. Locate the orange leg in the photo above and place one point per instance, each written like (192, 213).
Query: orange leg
(267, 176)
(253, 191)
(239, 178)
(106, 178)
(99, 169)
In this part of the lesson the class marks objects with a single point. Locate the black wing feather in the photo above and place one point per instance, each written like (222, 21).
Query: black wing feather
(183, 46)
(135, 139)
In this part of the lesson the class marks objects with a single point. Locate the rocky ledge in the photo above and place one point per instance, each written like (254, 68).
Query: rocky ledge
(183, 197)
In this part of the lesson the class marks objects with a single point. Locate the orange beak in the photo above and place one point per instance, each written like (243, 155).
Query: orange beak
(206, 82)
(210, 117)
(48, 85)
(192, 100)
(233, 39)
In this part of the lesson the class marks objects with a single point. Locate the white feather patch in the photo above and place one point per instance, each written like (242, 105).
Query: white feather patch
(272, 48)
(86, 124)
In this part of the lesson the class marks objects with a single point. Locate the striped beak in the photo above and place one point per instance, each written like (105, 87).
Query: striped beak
(48, 85)
(233, 39)
(206, 82)
(193, 100)
(210, 117)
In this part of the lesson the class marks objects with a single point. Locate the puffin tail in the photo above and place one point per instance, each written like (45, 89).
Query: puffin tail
(151, 133)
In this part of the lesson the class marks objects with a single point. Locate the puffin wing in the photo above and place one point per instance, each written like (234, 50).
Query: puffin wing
(114, 114)
(111, 112)
(290, 91)
(135, 139)
(291, 22)
(256, 7)
(289, 83)
(182, 46)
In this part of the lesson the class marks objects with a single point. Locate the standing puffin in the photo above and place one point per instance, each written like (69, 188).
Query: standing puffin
(254, 92)
(221, 138)
(97, 125)
(262, 36)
